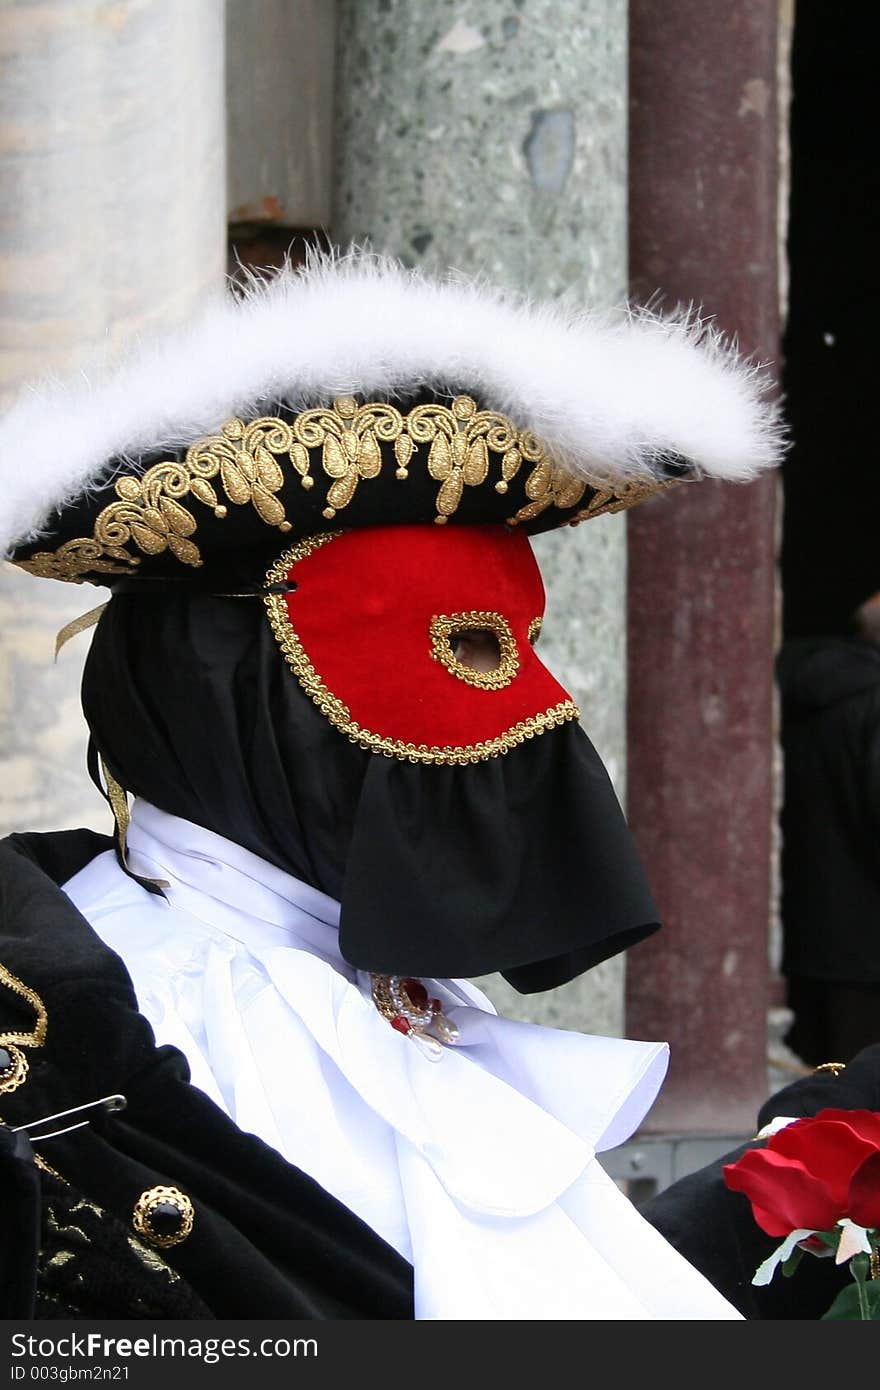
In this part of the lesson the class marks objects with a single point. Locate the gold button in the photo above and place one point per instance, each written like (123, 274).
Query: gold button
(163, 1216)
(13, 1068)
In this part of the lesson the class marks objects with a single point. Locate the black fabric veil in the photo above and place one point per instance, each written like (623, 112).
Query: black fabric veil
(521, 864)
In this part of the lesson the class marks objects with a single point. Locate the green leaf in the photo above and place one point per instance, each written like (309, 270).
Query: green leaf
(791, 1264)
(846, 1304)
(829, 1238)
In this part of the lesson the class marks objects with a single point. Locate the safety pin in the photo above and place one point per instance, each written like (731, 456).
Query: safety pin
(109, 1103)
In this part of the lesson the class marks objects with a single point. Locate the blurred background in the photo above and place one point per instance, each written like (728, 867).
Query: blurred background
(682, 151)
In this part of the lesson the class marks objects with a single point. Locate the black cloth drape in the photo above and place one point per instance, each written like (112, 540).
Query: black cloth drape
(521, 863)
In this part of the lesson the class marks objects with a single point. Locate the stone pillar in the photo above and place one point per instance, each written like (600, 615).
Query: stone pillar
(703, 228)
(112, 221)
(491, 138)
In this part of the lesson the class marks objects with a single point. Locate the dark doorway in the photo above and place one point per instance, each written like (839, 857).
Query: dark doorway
(830, 557)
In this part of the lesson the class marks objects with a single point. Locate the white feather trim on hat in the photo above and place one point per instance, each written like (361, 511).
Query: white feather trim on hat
(608, 395)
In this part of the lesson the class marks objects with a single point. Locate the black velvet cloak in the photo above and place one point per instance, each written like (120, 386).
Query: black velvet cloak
(267, 1241)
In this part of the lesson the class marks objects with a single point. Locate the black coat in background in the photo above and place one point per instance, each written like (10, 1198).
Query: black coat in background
(830, 821)
(830, 824)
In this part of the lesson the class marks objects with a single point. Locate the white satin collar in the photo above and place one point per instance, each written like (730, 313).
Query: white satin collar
(239, 966)
(216, 880)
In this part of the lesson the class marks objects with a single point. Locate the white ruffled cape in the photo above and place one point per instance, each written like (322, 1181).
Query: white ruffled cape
(479, 1168)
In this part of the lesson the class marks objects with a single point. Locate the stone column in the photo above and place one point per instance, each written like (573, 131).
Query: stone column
(112, 221)
(491, 137)
(703, 227)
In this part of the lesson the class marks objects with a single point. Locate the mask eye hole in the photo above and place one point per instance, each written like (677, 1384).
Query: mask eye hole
(478, 648)
(535, 630)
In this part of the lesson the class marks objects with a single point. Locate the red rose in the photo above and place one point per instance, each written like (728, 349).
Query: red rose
(814, 1172)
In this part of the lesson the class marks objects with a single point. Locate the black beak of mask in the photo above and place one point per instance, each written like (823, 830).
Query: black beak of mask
(462, 818)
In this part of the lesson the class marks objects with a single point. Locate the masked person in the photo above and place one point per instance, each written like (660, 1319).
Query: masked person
(343, 783)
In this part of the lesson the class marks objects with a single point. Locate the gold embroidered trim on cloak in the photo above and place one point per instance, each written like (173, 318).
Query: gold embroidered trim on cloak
(47, 1168)
(339, 714)
(535, 630)
(37, 1036)
(67, 1228)
(13, 1040)
(152, 1261)
(240, 465)
(445, 626)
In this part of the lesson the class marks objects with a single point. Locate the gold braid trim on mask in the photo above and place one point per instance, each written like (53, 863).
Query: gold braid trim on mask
(339, 714)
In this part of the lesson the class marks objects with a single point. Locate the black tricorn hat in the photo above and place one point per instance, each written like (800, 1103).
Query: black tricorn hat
(356, 394)
(353, 392)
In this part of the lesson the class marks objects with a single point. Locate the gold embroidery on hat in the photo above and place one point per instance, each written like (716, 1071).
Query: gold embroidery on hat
(339, 714)
(349, 436)
(150, 511)
(15, 1074)
(462, 446)
(75, 559)
(445, 626)
(461, 438)
(626, 495)
(548, 485)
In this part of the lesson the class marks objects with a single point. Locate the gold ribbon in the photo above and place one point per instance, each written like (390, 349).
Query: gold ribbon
(78, 625)
(118, 798)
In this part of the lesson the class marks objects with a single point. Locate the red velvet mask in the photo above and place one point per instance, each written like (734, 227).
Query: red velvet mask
(369, 633)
